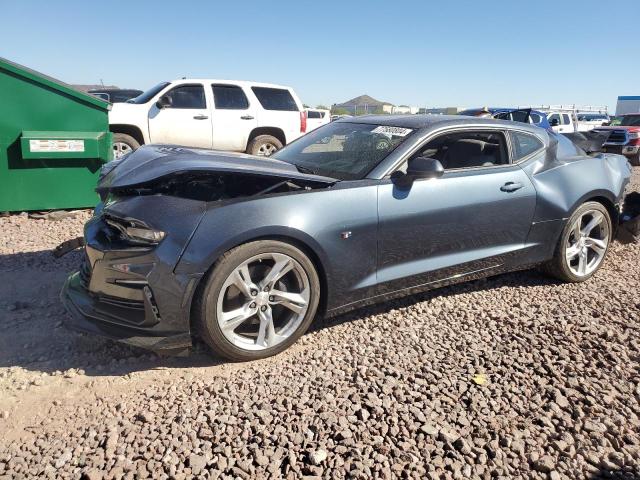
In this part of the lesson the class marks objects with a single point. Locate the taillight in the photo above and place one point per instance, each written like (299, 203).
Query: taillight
(303, 122)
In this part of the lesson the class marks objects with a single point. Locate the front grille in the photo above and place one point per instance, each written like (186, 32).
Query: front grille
(618, 137)
(122, 302)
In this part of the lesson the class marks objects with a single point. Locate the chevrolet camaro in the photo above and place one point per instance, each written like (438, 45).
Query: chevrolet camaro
(244, 252)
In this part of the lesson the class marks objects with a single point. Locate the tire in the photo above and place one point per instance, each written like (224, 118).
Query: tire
(221, 296)
(635, 160)
(123, 144)
(569, 269)
(264, 145)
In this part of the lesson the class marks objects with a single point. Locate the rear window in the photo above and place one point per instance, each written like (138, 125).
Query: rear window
(229, 97)
(275, 99)
(312, 114)
(525, 144)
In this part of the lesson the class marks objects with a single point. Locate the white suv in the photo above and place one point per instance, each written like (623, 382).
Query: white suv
(256, 118)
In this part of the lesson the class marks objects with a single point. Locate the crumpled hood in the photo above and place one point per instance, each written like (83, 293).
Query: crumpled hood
(151, 162)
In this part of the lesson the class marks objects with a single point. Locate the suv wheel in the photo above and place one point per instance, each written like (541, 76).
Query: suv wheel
(264, 145)
(123, 144)
(258, 300)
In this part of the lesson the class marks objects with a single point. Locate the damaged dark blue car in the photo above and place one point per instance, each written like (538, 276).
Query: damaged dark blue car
(244, 252)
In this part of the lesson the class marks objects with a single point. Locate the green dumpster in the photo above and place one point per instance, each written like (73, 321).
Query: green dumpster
(53, 141)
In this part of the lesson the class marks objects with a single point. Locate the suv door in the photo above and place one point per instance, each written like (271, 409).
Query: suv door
(234, 117)
(185, 120)
(475, 217)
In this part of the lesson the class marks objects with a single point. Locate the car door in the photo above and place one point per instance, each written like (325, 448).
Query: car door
(233, 117)
(475, 218)
(184, 120)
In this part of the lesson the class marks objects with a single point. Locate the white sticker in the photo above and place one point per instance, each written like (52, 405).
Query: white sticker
(395, 131)
(56, 145)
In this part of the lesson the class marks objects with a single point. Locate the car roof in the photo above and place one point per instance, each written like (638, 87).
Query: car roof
(423, 121)
(241, 83)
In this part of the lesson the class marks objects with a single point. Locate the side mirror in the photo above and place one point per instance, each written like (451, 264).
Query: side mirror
(163, 102)
(555, 122)
(418, 168)
(424, 167)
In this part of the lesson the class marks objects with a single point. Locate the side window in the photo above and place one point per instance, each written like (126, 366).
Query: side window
(275, 99)
(313, 114)
(535, 118)
(229, 97)
(524, 144)
(553, 117)
(188, 97)
(469, 149)
(565, 119)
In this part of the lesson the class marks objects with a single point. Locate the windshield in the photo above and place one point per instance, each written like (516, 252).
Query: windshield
(346, 151)
(630, 121)
(149, 94)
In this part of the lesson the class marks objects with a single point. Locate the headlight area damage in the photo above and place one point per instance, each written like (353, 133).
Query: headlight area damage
(127, 287)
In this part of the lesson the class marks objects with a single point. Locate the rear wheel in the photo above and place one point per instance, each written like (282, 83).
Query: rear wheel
(264, 145)
(635, 160)
(123, 144)
(258, 300)
(583, 244)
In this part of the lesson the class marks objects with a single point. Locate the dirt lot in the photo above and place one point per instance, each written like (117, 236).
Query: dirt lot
(516, 376)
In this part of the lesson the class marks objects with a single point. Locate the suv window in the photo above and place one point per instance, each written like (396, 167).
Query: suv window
(553, 117)
(187, 96)
(275, 99)
(565, 119)
(467, 150)
(229, 97)
(313, 114)
(525, 144)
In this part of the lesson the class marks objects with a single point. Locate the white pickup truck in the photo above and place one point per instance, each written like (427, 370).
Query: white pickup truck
(256, 118)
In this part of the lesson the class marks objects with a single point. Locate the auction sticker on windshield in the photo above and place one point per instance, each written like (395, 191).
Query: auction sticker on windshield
(395, 131)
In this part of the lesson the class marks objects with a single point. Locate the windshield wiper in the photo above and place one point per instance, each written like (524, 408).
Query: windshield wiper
(302, 169)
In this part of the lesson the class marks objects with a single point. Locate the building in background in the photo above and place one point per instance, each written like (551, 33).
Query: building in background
(362, 105)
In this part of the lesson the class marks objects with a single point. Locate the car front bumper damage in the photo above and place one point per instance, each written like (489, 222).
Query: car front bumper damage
(114, 294)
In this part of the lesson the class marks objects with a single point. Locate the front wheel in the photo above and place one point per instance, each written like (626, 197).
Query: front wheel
(635, 160)
(258, 300)
(264, 145)
(583, 244)
(123, 144)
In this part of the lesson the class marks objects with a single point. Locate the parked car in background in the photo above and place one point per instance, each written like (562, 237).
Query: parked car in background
(522, 115)
(562, 122)
(624, 138)
(338, 117)
(115, 95)
(628, 104)
(586, 121)
(316, 118)
(242, 252)
(240, 116)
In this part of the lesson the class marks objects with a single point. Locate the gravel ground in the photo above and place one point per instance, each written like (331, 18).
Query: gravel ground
(516, 376)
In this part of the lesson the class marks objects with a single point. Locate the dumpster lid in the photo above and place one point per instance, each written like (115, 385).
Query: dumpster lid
(51, 82)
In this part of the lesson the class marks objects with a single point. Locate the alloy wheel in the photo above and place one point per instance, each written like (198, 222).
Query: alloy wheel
(267, 149)
(263, 301)
(120, 149)
(587, 243)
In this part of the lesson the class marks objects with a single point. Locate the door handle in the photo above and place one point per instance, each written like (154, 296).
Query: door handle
(200, 117)
(246, 117)
(511, 186)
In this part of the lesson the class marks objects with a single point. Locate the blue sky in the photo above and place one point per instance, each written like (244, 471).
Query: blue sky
(425, 53)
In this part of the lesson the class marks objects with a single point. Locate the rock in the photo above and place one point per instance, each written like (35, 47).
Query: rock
(318, 456)
(62, 459)
(92, 474)
(545, 464)
(429, 429)
(197, 463)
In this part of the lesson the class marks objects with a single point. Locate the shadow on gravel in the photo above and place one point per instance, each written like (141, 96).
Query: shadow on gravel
(33, 335)
(616, 475)
(523, 278)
